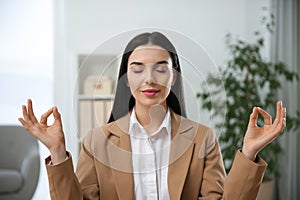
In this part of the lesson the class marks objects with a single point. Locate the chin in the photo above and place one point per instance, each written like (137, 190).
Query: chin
(151, 102)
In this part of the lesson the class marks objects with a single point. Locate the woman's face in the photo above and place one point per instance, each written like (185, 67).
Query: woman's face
(150, 75)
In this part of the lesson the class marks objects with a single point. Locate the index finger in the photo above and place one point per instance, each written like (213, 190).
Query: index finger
(253, 117)
(45, 116)
(267, 116)
(57, 116)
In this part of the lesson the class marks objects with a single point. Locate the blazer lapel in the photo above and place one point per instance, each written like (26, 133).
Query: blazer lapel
(119, 154)
(181, 151)
(182, 147)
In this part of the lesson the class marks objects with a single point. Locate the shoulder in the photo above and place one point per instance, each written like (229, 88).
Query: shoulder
(94, 133)
(200, 130)
(205, 139)
(95, 139)
(110, 131)
(202, 136)
(204, 133)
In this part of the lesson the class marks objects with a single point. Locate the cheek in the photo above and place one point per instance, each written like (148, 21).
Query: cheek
(165, 81)
(133, 82)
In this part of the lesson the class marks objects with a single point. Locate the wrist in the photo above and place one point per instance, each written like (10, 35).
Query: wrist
(248, 154)
(58, 155)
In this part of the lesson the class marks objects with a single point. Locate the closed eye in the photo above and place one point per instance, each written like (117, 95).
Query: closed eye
(137, 71)
(137, 68)
(162, 68)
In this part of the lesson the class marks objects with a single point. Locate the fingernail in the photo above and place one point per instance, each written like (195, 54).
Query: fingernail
(253, 109)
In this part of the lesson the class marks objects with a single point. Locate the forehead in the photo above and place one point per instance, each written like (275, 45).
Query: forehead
(149, 54)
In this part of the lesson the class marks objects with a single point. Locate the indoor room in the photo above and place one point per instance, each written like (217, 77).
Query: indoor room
(237, 67)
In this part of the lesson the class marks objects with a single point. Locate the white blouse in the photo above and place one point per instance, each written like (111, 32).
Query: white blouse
(150, 158)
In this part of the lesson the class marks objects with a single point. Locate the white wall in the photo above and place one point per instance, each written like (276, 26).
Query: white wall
(90, 23)
(26, 65)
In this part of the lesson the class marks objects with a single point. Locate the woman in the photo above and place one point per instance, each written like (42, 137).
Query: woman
(149, 150)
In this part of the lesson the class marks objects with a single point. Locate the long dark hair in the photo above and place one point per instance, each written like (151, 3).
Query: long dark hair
(124, 101)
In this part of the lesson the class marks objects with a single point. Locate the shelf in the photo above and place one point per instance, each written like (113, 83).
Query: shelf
(95, 97)
(94, 109)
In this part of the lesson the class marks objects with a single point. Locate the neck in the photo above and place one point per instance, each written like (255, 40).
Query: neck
(151, 117)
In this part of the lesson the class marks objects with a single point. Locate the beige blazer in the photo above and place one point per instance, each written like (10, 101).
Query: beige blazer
(196, 171)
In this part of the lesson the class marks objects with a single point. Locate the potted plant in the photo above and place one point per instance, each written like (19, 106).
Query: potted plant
(249, 80)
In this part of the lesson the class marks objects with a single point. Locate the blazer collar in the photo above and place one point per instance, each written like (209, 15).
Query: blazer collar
(179, 124)
(181, 150)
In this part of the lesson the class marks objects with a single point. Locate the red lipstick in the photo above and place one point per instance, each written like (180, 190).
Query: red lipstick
(150, 92)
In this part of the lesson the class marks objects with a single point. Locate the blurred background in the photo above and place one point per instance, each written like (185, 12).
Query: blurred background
(43, 43)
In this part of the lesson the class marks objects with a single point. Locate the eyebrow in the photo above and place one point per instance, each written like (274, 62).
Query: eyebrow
(157, 63)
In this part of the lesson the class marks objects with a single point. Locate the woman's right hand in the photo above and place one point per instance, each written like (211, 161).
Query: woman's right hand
(51, 136)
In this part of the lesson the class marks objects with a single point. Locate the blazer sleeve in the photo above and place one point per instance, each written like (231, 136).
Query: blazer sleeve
(64, 184)
(242, 182)
(87, 175)
(244, 178)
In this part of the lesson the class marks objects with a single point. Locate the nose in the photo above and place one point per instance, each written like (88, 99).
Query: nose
(150, 79)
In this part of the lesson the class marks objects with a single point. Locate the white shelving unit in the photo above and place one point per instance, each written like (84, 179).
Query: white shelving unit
(94, 109)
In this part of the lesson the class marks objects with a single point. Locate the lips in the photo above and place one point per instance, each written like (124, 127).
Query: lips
(150, 92)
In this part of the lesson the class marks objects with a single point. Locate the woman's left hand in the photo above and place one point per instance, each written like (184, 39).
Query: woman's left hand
(256, 138)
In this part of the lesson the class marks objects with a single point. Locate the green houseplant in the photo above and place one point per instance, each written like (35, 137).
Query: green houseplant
(249, 80)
